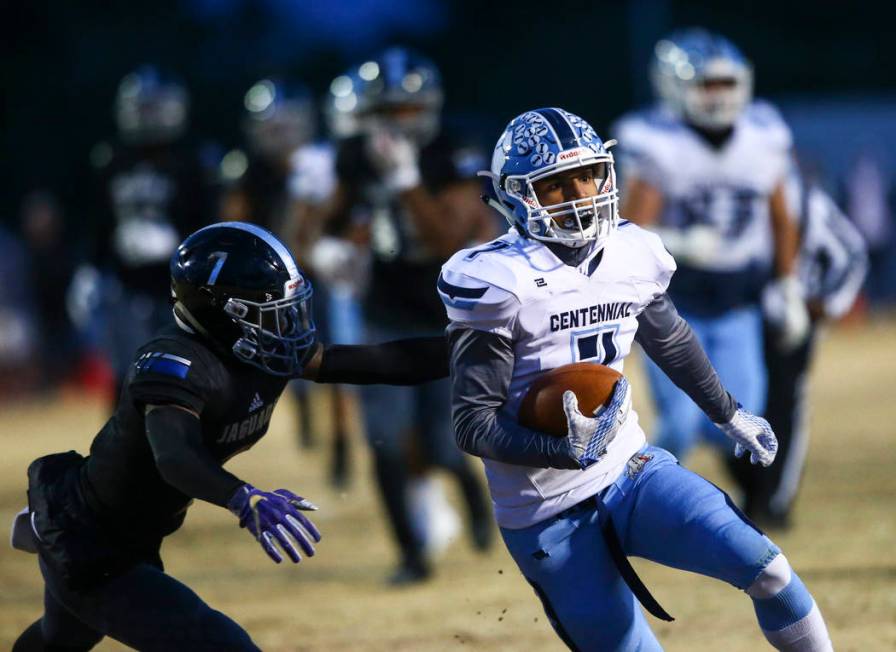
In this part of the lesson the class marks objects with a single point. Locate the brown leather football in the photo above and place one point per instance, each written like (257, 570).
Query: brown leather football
(542, 407)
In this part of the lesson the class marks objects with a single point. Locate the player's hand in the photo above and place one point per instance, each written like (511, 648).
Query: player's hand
(697, 245)
(753, 434)
(276, 518)
(394, 156)
(589, 436)
(785, 308)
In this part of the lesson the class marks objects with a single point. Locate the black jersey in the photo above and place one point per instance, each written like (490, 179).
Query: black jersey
(147, 200)
(267, 193)
(234, 400)
(404, 272)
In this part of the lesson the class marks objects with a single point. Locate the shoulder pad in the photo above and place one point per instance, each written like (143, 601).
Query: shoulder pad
(484, 286)
(642, 123)
(766, 117)
(646, 144)
(643, 258)
(169, 370)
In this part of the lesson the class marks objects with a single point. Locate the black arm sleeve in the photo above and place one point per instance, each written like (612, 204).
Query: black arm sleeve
(183, 460)
(481, 369)
(411, 361)
(669, 341)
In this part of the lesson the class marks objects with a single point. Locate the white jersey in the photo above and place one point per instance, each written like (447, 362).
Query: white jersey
(556, 314)
(313, 173)
(833, 261)
(726, 188)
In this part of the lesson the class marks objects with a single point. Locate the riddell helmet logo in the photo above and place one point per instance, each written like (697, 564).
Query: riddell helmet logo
(290, 287)
(575, 153)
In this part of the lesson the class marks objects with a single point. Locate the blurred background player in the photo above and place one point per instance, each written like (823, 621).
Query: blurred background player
(281, 182)
(706, 169)
(51, 264)
(17, 341)
(411, 185)
(832, 267)
(151, 191)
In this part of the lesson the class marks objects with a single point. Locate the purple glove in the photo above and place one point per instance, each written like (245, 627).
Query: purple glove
(275, 517)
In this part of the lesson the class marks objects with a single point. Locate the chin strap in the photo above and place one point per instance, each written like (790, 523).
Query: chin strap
(501, 208)
(186, 321)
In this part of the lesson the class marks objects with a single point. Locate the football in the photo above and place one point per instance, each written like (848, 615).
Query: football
(542, 407)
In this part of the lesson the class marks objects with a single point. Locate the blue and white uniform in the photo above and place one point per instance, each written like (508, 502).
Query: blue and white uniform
(556, 314)
(518, 310)
(572, 282)
(721, 194)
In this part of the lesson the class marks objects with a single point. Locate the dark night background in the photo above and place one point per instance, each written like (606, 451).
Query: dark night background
(831, 67)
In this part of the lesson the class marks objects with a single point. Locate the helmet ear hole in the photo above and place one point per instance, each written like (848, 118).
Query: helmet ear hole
(212, 299)
(236, 309)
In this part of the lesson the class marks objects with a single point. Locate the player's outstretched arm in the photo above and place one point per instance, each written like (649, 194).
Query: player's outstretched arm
(183, 461)
(481, 369)
(672, 345)
(410, 361)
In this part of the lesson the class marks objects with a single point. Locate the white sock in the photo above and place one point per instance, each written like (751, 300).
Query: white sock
(809, 634)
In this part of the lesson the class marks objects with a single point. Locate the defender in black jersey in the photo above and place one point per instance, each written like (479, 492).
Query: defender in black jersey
(413, 184)
(200, 391)
(149, 192)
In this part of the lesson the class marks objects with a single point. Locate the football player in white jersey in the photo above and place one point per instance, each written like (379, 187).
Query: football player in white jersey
(572, 282)
(706, 170)
(832, 268)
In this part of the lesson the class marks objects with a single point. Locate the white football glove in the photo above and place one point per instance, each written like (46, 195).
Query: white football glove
(589, 437)
(394, 156)
(751, 433)
(784, 307)
(697, 245)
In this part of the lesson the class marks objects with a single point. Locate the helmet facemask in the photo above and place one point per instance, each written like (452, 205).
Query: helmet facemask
(702, 78)
(276, 335)
(574, 223)
(717, 99)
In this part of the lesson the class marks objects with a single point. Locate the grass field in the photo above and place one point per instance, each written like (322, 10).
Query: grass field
(842, 545)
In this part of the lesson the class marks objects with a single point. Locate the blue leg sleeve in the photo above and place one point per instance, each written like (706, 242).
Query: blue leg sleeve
(793, 603)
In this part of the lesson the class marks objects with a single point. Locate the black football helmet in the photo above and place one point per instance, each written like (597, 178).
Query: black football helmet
(239, 286)
(150, 107)
(280, 117)
(398, 87)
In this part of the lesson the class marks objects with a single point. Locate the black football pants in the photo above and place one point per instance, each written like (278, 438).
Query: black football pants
(143, 608)
(769, 492)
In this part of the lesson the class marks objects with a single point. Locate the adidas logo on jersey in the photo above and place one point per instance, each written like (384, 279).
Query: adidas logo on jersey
(256, 403)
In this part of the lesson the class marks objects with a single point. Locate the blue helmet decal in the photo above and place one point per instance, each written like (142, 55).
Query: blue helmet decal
(538, 144)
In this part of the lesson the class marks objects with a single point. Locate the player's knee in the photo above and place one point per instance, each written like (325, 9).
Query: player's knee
(773, 579)
(779, 596)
